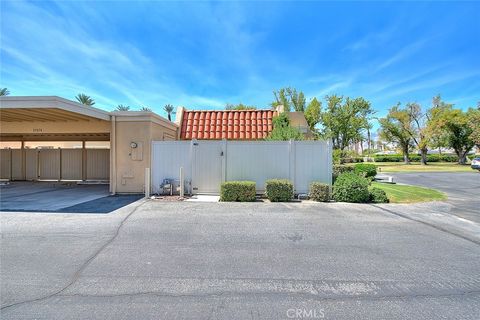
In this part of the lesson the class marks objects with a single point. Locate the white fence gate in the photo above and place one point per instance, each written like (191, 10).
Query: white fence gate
(207, 164)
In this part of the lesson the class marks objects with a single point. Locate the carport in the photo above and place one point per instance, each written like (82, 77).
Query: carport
(50, 138)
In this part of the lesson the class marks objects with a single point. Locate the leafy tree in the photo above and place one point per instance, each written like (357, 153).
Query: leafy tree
(169, 110)
(4, 92)
(281, 99)
(417, 128)
(344, 120)
(282, 130)
(392, 129)
(240, 106)
(289, 97)
(438, 136)
(474, 124)
(146, 109)
(454, 123)
(121, 107)
(313, 113)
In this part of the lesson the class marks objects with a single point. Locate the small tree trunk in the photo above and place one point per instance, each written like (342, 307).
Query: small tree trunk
(440, 150)
(423, 153)
(369, 144)
(406, 159)
(462, 157)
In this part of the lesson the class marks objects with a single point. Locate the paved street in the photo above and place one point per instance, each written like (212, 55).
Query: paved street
(159, 260)
(462, 188)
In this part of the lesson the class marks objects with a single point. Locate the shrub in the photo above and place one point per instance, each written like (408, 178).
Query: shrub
(378, 195)
(366, 170)
(237, 191)
(352, 160)
(350, 187)
(338, 169)
(416, 158)
(278, 190)
(319, 192)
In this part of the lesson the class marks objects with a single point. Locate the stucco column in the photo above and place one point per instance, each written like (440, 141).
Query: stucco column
(84, 162)
(113, 156)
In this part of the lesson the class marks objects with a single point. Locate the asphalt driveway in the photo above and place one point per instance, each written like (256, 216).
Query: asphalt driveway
(158, 260)
(53, 196)
(462, 188)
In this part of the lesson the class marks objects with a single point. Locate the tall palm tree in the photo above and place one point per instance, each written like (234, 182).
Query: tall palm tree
(85, 100)
(4, 92)
(121, 107)
(169, 110)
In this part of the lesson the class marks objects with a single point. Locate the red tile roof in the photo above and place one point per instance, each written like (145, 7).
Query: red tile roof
(228, 124)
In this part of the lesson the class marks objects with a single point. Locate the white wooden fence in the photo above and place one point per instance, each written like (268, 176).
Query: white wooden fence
(208, 163)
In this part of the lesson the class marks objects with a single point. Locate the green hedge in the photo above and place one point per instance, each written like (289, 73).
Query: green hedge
(279, 190)
(377, 195)
(338, 169)
(367, 170)
(237, 191)
(319, 192)
(416, 158)
(350, 187)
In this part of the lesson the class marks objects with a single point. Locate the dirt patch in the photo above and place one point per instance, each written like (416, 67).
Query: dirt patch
(169, 198)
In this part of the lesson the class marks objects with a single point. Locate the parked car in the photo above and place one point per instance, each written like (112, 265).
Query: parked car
(476, 163)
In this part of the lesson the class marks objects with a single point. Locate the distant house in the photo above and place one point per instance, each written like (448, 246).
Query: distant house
(233, 124)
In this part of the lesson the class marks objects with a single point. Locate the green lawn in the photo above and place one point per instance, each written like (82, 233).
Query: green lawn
(398, 193)
(417, 167)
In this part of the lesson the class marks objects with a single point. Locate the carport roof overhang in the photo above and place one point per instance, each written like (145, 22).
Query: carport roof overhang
(47, 109)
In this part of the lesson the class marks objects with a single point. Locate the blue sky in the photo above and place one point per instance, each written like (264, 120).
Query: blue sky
(205, 54)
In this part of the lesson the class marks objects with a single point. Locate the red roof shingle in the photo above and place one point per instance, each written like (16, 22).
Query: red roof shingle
(228, 124)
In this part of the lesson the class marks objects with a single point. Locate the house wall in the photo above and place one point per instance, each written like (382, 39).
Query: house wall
(131, 162)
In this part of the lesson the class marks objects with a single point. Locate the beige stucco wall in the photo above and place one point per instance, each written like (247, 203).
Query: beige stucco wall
(42, 127)
(131, 162)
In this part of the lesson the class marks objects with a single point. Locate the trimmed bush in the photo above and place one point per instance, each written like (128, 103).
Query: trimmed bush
(319, 192)
(350, 187)
(338, 169)
(352, 160)
(279, 190)
(378, 195)
(237, 191)
(366, 170)
(416, 158)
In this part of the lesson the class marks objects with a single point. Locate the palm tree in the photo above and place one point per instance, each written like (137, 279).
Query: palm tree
(121, 107)
(145, 109)
(85, 100)
(169, 110)
(4, 92)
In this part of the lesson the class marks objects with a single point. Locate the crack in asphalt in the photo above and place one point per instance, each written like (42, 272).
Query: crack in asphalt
(84, 265)
(427, 224)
